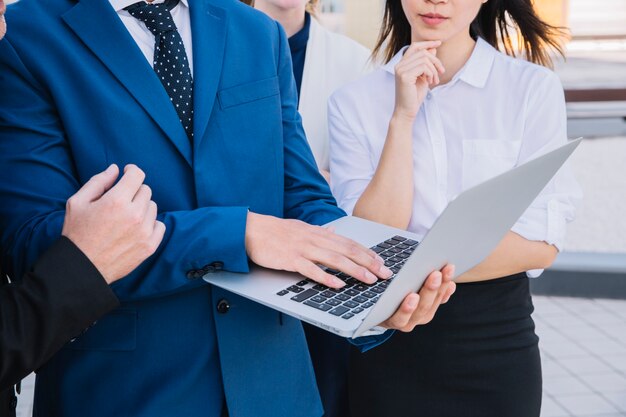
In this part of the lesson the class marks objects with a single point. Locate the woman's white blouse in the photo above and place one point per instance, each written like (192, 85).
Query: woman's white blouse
(496, 113)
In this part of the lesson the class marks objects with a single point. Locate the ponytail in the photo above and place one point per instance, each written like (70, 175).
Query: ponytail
(493, 23)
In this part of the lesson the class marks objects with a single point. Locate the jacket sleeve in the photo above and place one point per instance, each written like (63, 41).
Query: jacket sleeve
(38, 174)
(62, 295)
(307, 194)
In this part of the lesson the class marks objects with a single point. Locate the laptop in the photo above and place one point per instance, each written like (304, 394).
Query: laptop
(465, 233)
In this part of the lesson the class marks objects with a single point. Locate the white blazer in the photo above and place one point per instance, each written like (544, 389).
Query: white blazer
(331, 61)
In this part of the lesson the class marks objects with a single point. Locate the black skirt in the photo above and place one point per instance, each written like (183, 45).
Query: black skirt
(478, 358)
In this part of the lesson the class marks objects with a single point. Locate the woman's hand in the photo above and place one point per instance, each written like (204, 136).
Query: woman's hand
(417, 71)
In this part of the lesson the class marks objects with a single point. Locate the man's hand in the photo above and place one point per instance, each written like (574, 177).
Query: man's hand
(420, 308)
(115, 226)
(292, 245)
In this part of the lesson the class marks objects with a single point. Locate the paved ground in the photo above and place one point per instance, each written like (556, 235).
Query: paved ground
(583, 346)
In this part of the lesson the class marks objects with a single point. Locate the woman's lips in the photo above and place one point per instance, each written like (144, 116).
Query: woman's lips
(433, 19)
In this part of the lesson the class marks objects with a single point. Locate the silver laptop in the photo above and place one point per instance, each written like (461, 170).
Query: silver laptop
(468, 230)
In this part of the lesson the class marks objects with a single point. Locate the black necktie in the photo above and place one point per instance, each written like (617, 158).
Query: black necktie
(170, 59)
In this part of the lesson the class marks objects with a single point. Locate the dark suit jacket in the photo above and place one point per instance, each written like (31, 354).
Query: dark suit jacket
(62, 295)
(90, 98)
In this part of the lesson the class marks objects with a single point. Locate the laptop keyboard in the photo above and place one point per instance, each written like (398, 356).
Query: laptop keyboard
(356, 296)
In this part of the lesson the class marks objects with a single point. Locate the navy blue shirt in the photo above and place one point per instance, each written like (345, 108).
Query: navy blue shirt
(297, 45)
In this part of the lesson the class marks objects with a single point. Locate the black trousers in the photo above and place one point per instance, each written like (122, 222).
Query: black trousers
(330, 354)
(478, 358)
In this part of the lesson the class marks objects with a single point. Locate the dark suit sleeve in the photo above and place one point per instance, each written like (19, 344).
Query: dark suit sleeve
(62, 295)
(307, 194)
(38, 174)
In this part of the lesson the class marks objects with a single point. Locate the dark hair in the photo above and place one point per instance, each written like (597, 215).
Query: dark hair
(493, 23)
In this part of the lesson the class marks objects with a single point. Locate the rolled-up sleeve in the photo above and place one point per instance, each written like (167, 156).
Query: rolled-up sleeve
(350, 164)
(546, 129)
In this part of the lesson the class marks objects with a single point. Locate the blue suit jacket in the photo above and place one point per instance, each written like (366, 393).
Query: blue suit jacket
(78, 95)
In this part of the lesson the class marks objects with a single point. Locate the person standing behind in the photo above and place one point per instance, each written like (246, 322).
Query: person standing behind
(323, 61)
(446, 112)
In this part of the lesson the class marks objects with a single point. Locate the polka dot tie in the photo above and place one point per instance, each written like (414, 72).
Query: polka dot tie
(170, 60)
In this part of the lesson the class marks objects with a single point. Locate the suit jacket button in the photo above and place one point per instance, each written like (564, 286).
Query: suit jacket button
(223, 306)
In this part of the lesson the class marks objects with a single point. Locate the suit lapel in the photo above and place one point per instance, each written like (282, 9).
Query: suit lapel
(208, 28)
(98, 26)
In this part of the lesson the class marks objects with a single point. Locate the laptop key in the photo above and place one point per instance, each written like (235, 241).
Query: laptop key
(403, 255)
(411, 242)
(357, 310)
(304, 295)
(352, 292)
(338, 311)
(395, 269)
(350, 304)
(283, 292)
(360, 287)
(384, 245)
(399, 238)
(342, 297)
(367, 305)
(402, 246)
(347, 316)
(389, 263)
(333, 303)
(318, 299)
(359, 299)
(378, 290)
(328, 294)
(302, 283)
(320, 287)
(378, 249)
(368, 294)
(395, 250)
(323, 307)
(295, 288)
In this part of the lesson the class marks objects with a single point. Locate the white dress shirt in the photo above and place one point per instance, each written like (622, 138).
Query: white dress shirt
(142, 35)
(496, 113)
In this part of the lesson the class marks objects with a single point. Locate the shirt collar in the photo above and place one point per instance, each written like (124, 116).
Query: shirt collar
(120, 5)
(475, 71)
